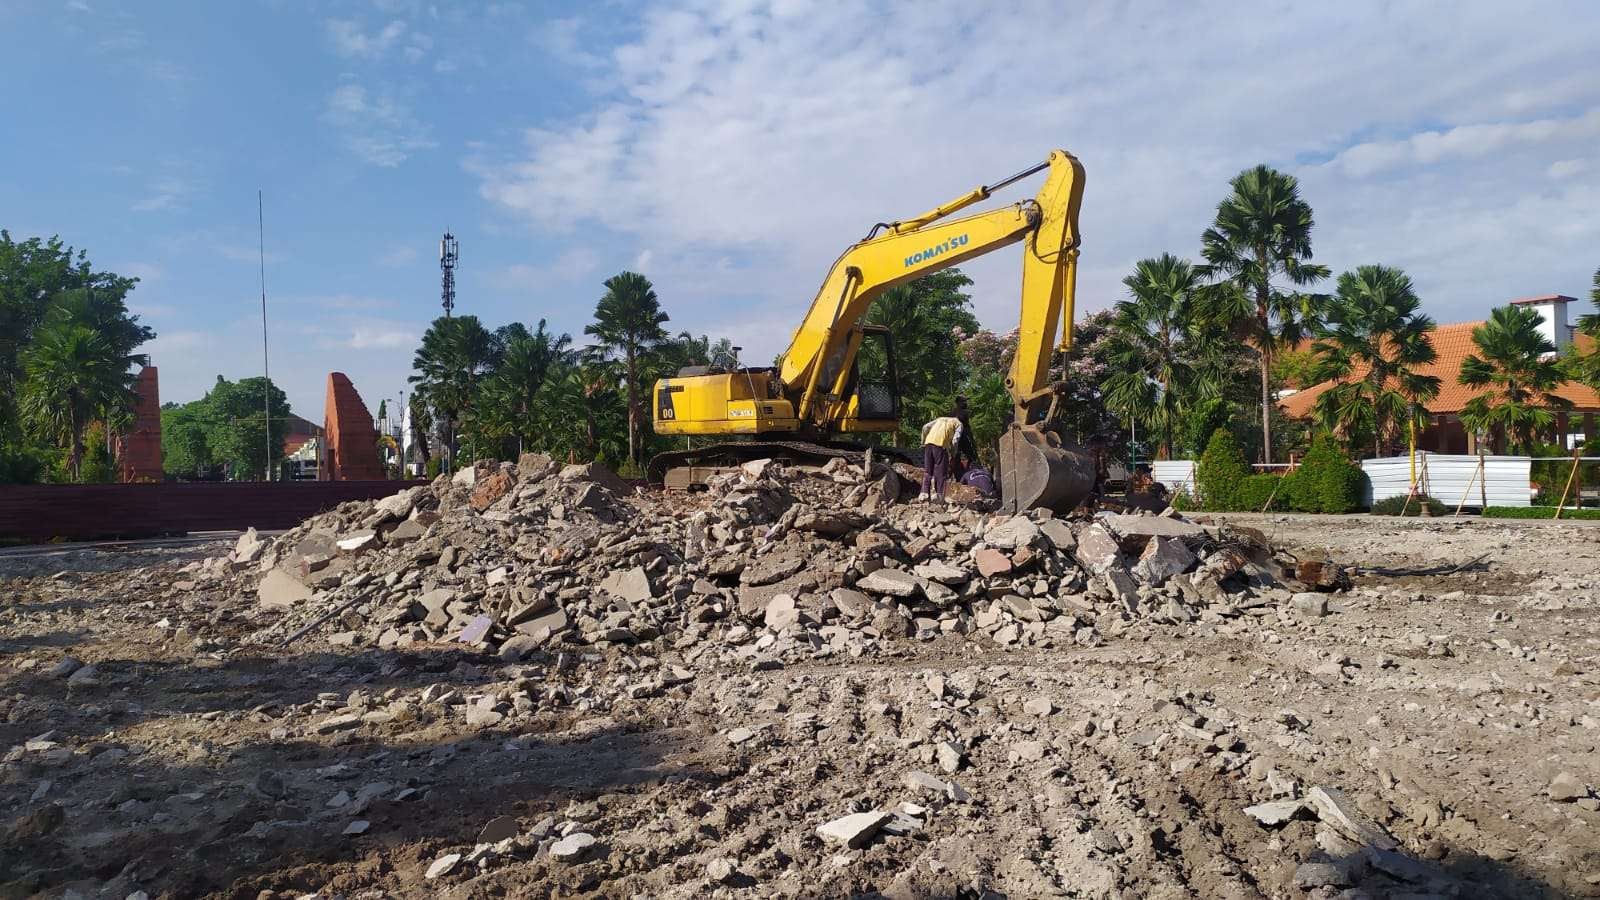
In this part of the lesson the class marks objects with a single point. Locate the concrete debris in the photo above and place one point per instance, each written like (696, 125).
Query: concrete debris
(1567, 788)
(573, 848)
(442, 866)
(1275, 812)
(855, 830)
(787, 682)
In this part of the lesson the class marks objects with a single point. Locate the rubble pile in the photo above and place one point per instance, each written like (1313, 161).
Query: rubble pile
(538, 680)
(770, 564)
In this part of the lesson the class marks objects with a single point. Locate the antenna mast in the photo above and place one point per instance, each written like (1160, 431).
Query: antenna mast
(448, 252)
(266, 375)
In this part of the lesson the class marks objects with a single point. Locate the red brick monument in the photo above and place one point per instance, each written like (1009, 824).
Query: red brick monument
(352, 441)
(139, 449)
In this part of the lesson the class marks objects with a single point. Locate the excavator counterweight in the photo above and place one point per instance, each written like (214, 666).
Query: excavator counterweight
(818, 391)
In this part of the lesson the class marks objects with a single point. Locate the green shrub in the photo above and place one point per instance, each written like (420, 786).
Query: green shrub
(1392, 506)
(1326, 481)
(432, 467)
(1538, 512)
(23, 465)
(1552, 466)
(1256, 491)
(1220, 472)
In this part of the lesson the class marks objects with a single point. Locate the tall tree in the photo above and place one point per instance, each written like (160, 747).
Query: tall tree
(1262, 232)
(1585, 367)
(43, 282)
(930, 318)
(454, 355)
(239, 435)
(1151, 376)
(1516, 374)
(627, 325)
(72, 373)
(512, 393)
(1372, 346)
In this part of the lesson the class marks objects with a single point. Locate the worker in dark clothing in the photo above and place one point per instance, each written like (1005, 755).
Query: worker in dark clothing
(966, 448)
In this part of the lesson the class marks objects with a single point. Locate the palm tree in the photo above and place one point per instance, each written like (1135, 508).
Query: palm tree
(579, 413)
(1517, 374)
(1585, 367)
(1372, 346)
(688, 350)
(1151, 374)
(71, 375)
(452, 359)
(627, 323)
(1262, 231)
(512, 393)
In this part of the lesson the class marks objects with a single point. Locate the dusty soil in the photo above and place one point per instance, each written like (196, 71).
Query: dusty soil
(1442, 705)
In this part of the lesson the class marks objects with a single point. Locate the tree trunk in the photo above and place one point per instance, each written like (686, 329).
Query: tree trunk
(1266, 407)
(633, 410)
(1264, 321)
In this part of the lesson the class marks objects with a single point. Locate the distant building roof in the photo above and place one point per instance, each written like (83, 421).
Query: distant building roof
(1544, 298)
(1452, 343)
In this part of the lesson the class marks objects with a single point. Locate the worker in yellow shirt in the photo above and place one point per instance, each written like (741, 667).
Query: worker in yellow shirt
(940, 437)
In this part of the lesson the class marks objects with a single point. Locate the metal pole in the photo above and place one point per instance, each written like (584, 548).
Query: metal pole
(266, 389)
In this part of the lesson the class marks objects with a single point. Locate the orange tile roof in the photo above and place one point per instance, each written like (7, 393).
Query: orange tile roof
(1452, 343)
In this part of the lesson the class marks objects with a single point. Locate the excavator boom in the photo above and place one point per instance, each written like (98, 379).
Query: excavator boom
(814, 389)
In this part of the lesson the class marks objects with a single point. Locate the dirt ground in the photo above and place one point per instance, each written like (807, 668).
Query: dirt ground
(1440, 704)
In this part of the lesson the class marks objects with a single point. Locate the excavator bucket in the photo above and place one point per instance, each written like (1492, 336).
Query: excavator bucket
(1037, 471)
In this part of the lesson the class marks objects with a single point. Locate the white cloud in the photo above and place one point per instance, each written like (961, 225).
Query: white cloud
(563, 40)
(79, 6)
(1566, 168)
(165, 193)
(175, 342)
(147, 273)
(350, 41)
(400, 256)
(776, 135)
(1474, 141)
(381, 336)
(572, 266)
(375, 126)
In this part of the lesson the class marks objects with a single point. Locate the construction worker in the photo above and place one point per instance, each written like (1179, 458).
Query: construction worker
(940, 438)
(966, 447)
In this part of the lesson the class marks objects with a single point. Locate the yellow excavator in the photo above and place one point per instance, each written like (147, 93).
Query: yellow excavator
(818, 393)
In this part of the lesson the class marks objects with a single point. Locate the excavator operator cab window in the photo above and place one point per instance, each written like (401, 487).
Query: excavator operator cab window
(874, 382)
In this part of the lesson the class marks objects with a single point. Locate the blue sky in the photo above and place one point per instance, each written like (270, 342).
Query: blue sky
(729, 150)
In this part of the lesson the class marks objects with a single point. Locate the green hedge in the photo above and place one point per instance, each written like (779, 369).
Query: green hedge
(1325, 482)
(1538, 512)
(1256, 491)
(1392, 506)
(1221, 472)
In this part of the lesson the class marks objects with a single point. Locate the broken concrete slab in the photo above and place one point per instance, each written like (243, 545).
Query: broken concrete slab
(1163, 559)
(853, 831)
(1097, 550)
(1011, 533)
(1275, 812)
(280, 590)
(1129, 526)
(1333, 807)
(893, 582)
(631, 584)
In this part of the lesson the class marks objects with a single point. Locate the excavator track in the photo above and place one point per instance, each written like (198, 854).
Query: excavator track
(733, 453)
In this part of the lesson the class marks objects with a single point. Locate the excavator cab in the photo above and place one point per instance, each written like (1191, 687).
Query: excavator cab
(872, 391)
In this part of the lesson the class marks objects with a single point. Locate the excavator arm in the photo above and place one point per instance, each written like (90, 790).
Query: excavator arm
(813, 391)
(822, 348)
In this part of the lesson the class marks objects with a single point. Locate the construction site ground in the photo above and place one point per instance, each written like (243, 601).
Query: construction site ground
(1448, 707)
